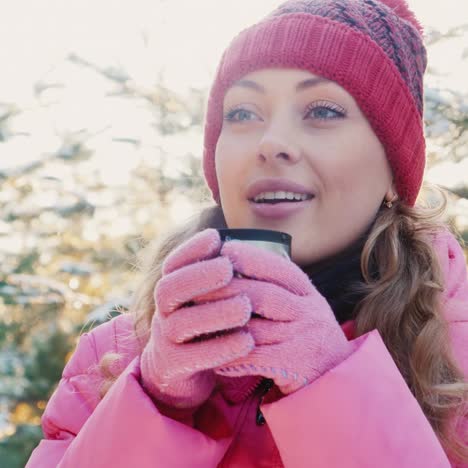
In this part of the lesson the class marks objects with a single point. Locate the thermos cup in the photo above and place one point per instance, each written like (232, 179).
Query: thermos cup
(275, 241)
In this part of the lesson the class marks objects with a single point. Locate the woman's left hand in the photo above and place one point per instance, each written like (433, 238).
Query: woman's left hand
(297, 337)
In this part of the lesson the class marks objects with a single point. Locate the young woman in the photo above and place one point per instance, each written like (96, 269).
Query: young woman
(351, 354)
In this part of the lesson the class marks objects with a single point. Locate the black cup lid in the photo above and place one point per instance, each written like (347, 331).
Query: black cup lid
(266, 235)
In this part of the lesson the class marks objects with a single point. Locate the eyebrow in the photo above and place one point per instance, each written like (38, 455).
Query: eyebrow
(301, 86)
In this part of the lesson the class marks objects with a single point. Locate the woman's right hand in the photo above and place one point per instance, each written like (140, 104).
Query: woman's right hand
(176, 364)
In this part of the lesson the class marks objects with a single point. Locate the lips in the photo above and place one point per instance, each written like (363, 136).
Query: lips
(276, 185)
(278, 210)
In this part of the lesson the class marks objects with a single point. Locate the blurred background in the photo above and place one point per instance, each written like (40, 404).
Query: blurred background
(101, 119)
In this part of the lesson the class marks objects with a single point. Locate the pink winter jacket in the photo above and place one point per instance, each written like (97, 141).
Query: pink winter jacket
(359, 414)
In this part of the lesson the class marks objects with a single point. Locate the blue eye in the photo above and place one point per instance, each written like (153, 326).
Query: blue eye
(325, 111)
(239, 112)
(322, 110)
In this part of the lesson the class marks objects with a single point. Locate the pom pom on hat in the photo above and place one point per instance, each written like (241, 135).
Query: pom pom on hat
(402, 9)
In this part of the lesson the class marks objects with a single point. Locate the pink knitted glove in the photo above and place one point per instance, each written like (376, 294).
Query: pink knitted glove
(297, 338)
(174, 369)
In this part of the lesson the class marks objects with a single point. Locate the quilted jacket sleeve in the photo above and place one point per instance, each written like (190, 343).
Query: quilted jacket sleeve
(123, 429)
(361, 413)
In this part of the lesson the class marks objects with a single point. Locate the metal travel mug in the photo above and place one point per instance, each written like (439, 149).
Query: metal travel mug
(275, 241)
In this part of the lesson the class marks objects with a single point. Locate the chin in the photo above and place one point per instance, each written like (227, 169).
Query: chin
(301, 259)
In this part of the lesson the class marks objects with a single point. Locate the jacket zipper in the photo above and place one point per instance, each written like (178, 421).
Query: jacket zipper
(265, 384)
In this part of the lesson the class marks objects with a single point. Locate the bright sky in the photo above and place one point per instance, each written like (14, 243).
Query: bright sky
(186, 37)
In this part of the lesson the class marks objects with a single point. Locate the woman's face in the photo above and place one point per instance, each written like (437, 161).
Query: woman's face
(285, 132)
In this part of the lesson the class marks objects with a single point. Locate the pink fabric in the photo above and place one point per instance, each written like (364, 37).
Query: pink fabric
(178, 372)
(295, 319)
(358, 414)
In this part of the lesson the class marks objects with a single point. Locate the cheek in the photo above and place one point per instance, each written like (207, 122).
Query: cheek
(361, 165)
(233, 157)
(225, 161)
(231, 169)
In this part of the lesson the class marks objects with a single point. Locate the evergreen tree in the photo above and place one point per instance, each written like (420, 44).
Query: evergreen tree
(71, 236)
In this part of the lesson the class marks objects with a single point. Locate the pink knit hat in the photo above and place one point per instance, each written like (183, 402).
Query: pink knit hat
(373, 49)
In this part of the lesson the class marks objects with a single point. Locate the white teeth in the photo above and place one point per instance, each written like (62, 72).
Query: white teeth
(280, 195)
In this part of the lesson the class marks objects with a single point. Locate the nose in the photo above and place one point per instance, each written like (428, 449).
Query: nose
(274, 147)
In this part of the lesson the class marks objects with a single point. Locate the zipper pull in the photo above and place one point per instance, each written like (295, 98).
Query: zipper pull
(266, 384)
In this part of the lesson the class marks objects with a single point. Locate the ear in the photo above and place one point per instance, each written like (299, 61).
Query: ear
(391, 193)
